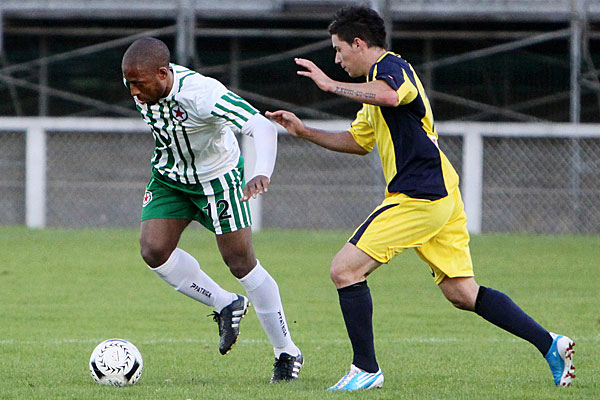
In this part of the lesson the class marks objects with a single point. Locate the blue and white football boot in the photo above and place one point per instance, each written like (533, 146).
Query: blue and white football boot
(560, 359)
(357, 379)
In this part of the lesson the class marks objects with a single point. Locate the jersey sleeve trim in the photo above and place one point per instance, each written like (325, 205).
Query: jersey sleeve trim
(390, 80)
(239, 102)
(366, 146)
(397, 78)
(233, 109)
(362, 131)
(182, 78)
(228, 111)
(407, 92)
(225, 117)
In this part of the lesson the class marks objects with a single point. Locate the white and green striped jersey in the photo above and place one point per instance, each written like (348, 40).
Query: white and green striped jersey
(194, 127)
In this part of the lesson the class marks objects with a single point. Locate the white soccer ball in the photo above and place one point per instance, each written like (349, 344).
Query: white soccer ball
(116, 362)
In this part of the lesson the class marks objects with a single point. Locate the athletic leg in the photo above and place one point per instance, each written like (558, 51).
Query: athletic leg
(497, 308)
(238, 253)
(349, 271)
(158, 240)
(500, 310)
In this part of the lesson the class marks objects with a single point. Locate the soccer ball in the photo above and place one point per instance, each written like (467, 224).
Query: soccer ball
(116, 362)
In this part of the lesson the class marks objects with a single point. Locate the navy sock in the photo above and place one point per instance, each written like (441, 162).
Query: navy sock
(357, 308)
(500, 310)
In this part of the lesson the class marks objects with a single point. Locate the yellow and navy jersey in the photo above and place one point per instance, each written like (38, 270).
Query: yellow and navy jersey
(405, 135)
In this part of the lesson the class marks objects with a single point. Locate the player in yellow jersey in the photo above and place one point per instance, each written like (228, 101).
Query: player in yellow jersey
(422, 208)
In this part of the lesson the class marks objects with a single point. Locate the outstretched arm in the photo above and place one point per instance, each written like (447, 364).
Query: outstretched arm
(342, 141)
(376, 92)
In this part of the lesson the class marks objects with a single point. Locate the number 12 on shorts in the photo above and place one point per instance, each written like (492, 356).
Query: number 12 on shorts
(222, 209)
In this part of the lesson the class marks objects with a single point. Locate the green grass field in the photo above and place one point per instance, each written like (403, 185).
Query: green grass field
(64, 291)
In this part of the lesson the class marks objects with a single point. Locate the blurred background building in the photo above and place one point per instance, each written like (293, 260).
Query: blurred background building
(515, 73)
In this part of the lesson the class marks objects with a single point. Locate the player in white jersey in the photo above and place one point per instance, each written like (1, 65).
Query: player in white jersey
(198, 174)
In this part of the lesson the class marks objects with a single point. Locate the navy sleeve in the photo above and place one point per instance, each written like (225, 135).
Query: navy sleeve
(390, 72)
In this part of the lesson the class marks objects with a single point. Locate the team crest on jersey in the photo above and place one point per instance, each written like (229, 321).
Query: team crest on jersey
(147, 198)
(179, 114)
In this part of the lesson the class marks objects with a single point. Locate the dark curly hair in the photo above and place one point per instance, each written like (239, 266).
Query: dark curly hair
(358, 22)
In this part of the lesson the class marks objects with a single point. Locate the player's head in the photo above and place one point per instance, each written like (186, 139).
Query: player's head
(145, 67)
(358, 22)
(352, 30)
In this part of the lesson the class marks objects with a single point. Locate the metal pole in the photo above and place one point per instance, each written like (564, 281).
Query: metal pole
(388, 23)
(575, 104)
(472, 179)
(1, 31)
(35, 177)
(87, 50)
(428, 73)
(43, 79)
(576, 33)
(61, 94)
(383, 8)
(488, 51)
(180, 55)
(191, 32)
(3, 62)
(234, 81)
(186, 21)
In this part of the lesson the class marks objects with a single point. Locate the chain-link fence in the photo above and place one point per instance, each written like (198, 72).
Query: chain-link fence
(97, 179)
(544, 185)
(12, 178)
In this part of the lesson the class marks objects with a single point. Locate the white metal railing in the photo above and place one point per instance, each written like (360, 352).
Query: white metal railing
(474, 133)
(36, 153)
(401, 9)
(472, 152)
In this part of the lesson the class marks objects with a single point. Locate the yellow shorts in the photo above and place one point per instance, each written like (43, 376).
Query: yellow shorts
(437, 230)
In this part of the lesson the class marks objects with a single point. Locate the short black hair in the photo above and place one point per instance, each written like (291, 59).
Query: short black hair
(147, 52)
(359, 22)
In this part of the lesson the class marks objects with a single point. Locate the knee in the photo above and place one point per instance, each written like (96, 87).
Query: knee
(339, 274)
(240, 264)
(460, 304)
(461, 292)
(462, 301)
(155, 254)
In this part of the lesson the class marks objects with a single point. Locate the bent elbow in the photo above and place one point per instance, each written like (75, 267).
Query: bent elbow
(390, 99)
(359, 150)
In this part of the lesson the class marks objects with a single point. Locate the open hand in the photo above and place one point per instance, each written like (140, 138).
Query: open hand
(288, 120)
(257, 185)
(324, 82)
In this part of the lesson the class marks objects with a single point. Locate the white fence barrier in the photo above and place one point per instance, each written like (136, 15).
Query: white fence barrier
(500, 164)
